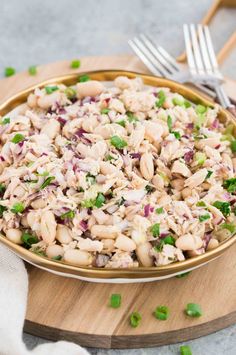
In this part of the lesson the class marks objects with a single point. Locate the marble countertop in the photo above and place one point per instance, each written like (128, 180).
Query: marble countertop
(37, 32)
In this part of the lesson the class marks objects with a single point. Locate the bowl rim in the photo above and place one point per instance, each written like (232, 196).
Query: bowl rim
(139, 272)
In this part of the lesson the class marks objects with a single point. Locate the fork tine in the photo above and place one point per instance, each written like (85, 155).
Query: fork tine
(196, 50)
(151, 57)
(143, 58)
(159, 57)
(169, 58)
(204, 51)
(189, 52)
(211, 51)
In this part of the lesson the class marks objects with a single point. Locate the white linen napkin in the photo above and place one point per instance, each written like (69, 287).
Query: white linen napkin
(13, 300)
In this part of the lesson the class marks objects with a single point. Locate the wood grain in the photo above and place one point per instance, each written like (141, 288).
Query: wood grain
(64, 308)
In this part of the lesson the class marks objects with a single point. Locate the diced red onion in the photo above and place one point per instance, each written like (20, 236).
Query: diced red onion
(215, 123)
(218, 146)
(190, 125)
(101, 260)
(135, 155)
(188, 157)
(83, 225)
(61, 120)
(164, 234)
(147, 210)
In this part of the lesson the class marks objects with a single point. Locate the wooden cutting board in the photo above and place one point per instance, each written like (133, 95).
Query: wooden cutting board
(64, 308)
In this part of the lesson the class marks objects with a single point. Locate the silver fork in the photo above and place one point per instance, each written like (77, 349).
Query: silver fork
(202, 62)
(161, 63)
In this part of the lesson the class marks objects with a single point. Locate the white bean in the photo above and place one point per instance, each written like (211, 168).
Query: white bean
(101, 231)
(24, 221)
(54, 250)
(189, 242)
(19, 191)
(125, 243)
(63, 234)
(89, 88)
(48, 227)
(213, 243)
(14, 235)
(108, 245)
(147, 166)
(143, 254)
(78, 257)
(32, 100)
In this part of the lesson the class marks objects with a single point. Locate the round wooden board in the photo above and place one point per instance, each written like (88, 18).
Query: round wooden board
(64, 308)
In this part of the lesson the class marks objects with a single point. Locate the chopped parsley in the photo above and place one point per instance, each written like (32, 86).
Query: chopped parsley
(50, 89)
(29, 239)
(131, 117)
(209, 173)
(58, 257)
(83, 78)
(204, 217)
(18, 207)
(230, 185)
(121, 123)
(155, 230)
(159, 210)
(233, 146)
(2, 209)
(224, 207)
(17, 138)
(100, 200)
(6, 120)
(176, 134)
(105, 111)
(118, 142)
(200, 204)
(2, 189)
(169, 240)
(229, 226)
(149, 189)
(184, 274)
(161, 97)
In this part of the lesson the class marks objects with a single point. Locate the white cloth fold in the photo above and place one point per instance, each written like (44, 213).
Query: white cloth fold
(13, 300)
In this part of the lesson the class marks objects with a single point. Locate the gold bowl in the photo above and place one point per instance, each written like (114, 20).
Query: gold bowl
(128, 275)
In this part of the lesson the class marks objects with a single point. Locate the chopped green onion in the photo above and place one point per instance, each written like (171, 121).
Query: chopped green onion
(131, 117)
(90, 179)
(70, 214)
(115, 300)
(6, 120)
(162, 312)
(135, 319)
(161, 97)
(178, 101)
(155, 230)
(47, 182)
(32, 70)
(75, 64)
(17, 138)
(70, 92)
(193, 310)
(44, 174)
(224, 207)
(121, 123)
(169, 123)
(200, 109)
(29, 239)
(230, 185)
(9, 71)
(209, 173)
(200, 158)
(187, 104)
(159, 210)
(118, 142)
(184, 274)
(58, 257)
(185, 350)
(176, 134)
(99, 200)
(108, 157)
(169, 240)
(18, 207)
(38, 251)
(2, 209)
(83, 78)
(105, 111)
(233, 146)
(200, 204)
(204, 217)
(229, 226)
(50, 89)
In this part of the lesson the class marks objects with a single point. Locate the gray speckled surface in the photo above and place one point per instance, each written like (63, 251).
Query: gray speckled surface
(36, 32)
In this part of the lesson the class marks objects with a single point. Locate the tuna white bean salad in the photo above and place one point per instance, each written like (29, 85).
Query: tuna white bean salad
(116, 176)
